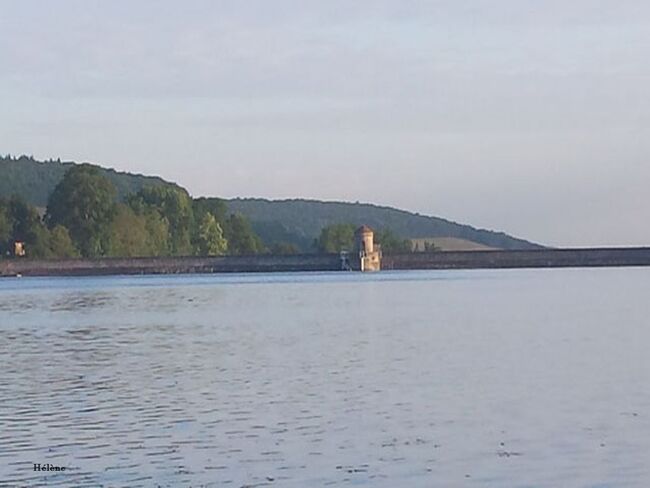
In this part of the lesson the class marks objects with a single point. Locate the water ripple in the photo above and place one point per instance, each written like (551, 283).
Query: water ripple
(381, 382)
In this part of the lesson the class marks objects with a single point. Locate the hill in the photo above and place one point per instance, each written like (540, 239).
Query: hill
(296, 221)
(450, 244)
(300, 221)
(34, 180)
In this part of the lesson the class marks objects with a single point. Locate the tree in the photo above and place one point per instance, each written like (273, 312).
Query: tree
(158, 232)
(138, 235)
(215, 206)
(38, 245)
(430, 247)
(241, 237)
(284, 248)
(211, 241)
(128, 234)
(175, 205)
(336, 238)
(84, 202)
(22, 222)
(25, 219)
(6, 228)
(391, 243)
(60, 244)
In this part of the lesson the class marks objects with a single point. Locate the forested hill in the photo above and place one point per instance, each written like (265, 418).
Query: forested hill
(35, 180)
(300, 221)
(296, 222)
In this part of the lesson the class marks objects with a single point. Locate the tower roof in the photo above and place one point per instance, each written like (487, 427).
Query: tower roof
(364, 229)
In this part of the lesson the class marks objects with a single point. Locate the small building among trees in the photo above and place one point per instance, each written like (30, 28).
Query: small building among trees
(19, 249)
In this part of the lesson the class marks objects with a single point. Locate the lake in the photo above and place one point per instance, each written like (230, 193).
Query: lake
(522, 378)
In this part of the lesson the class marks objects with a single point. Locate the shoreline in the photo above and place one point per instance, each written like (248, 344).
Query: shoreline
(545, 258)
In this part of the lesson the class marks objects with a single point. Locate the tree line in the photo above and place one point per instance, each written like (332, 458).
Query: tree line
(84, 218)
(340, 237)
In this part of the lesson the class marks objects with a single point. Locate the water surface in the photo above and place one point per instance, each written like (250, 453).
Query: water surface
(528, 378)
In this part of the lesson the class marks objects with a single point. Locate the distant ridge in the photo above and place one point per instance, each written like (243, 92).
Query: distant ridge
(450, 244)
(295, 221)
(301, 220)
(34, 180)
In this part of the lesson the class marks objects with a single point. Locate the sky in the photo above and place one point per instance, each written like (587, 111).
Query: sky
(527, 116)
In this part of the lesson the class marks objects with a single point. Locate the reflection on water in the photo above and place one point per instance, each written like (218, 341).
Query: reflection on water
(495, 378)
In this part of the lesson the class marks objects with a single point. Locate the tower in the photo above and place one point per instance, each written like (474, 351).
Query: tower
(364, 239)
(369, 253)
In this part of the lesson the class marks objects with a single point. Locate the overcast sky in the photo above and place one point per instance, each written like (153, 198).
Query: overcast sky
(528, 116)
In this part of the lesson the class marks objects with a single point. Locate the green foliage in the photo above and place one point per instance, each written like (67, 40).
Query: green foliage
(241, 238)
(274, 234)
(193, 228)
(35, 180)
(336, 238)
(304, 220)
(340, 237)
(284, 248)
(84, 218)
(84, 202)
(157, 228)
(211, 241)
(128, 234)
(175, 205)
(208, 240)
(6, 224)
(39, 244)
(26, 222)
(296, 221)
(391, 243)
(215, 206)
(60, 244)
(21, 222)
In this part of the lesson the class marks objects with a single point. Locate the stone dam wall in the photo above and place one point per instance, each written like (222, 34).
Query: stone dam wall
(548, 258)
(544, 258)
(170, 265)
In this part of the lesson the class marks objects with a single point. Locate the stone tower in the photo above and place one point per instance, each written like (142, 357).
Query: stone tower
(369, 253)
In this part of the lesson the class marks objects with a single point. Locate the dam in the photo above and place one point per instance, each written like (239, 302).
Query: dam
(266, 263)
